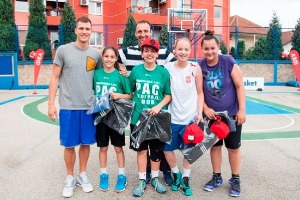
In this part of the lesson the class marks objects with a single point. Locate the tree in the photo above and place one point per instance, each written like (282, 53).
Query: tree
(129, 38)
(223, 47)
(232, 51)
(241, 48)
(296, 37)
(259, 50)
(9, 40)
(163, 36)
(37, 36)
(274, 45)
(67, 25)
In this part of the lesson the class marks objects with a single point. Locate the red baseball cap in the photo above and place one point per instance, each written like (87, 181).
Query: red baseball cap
(151, 42)
(219, 128)
(193, 134)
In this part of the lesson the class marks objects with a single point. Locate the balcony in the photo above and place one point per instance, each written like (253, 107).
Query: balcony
(53, 11)
(147, 10)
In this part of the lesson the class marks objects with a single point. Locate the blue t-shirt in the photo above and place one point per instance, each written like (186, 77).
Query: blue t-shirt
(218, 87)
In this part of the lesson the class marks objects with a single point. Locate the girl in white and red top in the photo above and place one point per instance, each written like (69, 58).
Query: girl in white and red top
(187, 102)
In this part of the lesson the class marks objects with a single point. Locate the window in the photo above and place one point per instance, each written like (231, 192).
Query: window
(96, 39)
(218, 11)
(95, 7)
(22, 37)
(54, 39)
(22, 5)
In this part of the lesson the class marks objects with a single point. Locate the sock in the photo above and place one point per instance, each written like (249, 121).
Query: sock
(154, 174)
(218, 174)
(122, 171)
(103, 170)
(237, 176)
(186, 172)
(175, 170)
(142, 175)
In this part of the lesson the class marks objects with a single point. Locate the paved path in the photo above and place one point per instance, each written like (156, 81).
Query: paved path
(32, 167)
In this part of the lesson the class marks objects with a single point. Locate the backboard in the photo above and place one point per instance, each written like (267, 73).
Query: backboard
(187, 20)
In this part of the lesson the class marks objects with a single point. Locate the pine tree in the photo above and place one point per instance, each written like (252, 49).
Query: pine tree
(274, 45)
(241, 48)
(67, 25)
(129, 38)
(223, 47)
(296, 37)
(37, 36)
(163, 36)
(232, 51)
(9, 40)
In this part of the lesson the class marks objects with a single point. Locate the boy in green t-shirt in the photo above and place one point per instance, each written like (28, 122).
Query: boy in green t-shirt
(108, 79)
(150, 84)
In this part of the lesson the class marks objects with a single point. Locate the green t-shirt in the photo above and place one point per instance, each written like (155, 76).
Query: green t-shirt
(110, 82)
(149, 87)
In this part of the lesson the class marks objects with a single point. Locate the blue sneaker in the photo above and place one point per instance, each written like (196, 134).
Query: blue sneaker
(176, 185)
(158, 186)
(140, 188)
(235, 190)
(215, 182)
(186, 189)
(121, 183)
(104, 185)
(168, 178)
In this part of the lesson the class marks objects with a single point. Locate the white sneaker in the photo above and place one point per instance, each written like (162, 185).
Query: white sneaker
(69, 186)
(83, 182)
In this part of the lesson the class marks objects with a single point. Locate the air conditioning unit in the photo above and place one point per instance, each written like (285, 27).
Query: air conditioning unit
(162, 1)
(84, 2)
(120, 40)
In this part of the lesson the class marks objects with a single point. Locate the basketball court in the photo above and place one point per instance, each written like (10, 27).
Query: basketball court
(32, 167)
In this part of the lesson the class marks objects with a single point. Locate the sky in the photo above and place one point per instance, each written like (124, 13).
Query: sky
(261, 11)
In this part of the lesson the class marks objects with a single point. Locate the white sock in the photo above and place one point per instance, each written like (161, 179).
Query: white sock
(122, 171)
(154, 174)
(103, 170)
(175, 169)
(186, 172)
(142, 175)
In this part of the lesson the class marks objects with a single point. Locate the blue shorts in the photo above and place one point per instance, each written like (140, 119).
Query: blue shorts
(176, 138)
(76, 127)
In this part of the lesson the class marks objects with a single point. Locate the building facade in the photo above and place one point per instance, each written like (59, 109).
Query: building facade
(109, 18)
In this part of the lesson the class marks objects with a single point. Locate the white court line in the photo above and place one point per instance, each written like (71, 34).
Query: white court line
(292, 122)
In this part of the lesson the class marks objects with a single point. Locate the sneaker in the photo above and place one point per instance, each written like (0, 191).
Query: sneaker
(104, 185)
(148, 178)
(168, 178)
(121, 183)
(235, 190)
(140, 188)
(83, 182)
(186, 189)
(69, 186)
(158, 186)
(176, 185)
(215, 182)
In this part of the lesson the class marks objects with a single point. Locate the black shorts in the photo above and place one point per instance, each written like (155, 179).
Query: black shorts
(154, 145)
(233, 140)
(103, 133)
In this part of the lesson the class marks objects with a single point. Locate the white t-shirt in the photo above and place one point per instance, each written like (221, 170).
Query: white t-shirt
(183, 107)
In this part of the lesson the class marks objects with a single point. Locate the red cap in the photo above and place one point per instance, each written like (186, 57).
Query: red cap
(151, 42)
(193, 134)
(219, 128)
